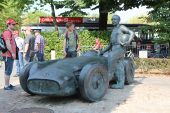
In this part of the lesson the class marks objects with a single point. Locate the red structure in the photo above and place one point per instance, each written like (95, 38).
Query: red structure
(76, 20)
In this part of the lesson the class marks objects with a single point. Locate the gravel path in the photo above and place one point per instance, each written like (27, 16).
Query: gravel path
(145, 95)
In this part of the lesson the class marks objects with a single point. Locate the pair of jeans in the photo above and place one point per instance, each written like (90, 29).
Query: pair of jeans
(39, 56)
(19, 62)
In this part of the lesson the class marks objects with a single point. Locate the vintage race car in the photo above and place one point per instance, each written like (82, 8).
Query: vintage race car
(86, 74)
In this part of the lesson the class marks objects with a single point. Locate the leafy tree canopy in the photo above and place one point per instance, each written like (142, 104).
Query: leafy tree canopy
(141, 19)
(160, 16)
(12, 9)
(104, 7)
(33, 17)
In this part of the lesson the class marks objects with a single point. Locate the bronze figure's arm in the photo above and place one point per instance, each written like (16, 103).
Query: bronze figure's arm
(106, 49)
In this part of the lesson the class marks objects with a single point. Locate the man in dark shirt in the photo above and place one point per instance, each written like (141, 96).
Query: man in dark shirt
(29, 45)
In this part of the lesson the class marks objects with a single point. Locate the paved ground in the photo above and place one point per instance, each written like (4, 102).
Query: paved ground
(146, 95)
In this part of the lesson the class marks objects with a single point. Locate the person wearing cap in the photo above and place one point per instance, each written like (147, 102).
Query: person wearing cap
(29, 41)
(10, 54)
(20, 46)
(39, 46)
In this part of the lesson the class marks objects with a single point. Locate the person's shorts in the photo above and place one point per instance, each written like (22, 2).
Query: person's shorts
(8, 65)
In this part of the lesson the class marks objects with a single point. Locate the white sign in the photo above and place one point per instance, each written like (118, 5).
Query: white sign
(52, 54)
(143, 54)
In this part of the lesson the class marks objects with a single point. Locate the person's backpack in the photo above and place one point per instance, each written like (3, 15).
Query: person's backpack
(3, 47)
(75, 36)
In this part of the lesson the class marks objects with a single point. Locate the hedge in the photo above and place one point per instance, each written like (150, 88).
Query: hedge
(86, 38)
(153, 65)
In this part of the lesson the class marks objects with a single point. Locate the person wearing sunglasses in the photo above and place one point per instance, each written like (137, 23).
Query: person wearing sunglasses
(10, 54)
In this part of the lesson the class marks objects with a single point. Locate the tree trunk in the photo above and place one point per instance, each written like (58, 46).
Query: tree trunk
(53, 15)
(169, 50)
(103, 15)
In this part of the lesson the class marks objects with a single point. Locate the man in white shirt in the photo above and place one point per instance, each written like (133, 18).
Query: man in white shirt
(20, 46)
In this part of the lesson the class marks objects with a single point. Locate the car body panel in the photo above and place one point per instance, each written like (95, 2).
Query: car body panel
(58, 77)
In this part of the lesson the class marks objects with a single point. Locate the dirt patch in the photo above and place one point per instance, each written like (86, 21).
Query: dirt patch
(146, 95)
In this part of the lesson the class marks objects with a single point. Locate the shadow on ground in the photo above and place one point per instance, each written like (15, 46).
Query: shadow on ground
(17, 99)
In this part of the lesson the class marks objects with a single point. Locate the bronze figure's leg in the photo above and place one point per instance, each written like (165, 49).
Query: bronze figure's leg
(120, 76)
(114, 56)
(115, 66)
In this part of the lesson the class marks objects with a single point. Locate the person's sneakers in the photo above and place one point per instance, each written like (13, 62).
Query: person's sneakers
(8, 88)
(11, 86)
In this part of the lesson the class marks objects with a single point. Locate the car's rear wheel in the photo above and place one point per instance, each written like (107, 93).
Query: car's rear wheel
(93, 82)
(129, 71)
(24, 74)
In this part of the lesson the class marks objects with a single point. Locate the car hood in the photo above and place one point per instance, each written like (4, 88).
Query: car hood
(61, 70)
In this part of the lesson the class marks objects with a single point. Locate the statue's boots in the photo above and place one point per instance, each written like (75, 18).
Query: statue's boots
(120, 76)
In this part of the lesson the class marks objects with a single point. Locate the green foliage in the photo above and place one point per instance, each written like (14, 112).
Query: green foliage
(33, 17)
(53, 43)
(21, 4)
(74, 8)
(140, 19)
(12, 9)
(160, 16)
(86, 38)
(9, 10)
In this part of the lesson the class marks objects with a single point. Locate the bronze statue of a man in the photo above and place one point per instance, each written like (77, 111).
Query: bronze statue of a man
(121, 37)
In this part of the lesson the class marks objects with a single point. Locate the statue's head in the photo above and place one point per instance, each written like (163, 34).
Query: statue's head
(115, 19)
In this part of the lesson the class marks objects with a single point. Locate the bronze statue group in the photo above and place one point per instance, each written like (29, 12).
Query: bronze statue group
(120, 38)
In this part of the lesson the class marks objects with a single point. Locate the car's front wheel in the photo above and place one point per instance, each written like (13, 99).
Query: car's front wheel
(93, 82)
(23, 77)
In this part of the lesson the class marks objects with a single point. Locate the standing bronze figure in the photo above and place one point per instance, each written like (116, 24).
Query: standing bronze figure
(121, 37)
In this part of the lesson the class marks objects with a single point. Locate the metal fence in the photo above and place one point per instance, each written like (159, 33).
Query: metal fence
(157, 51)
(153, 50)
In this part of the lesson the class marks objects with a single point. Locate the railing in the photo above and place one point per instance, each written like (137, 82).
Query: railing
(162, 50)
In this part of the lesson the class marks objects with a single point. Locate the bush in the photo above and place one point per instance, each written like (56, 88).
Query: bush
(150, 64)
(86, 38)
(53, 42)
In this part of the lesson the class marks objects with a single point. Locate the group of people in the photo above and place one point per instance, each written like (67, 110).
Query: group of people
(33, 45)
(21, 50)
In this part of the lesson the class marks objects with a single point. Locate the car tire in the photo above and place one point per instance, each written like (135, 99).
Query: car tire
(23, 77)
(93, 82)
(129, 71)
